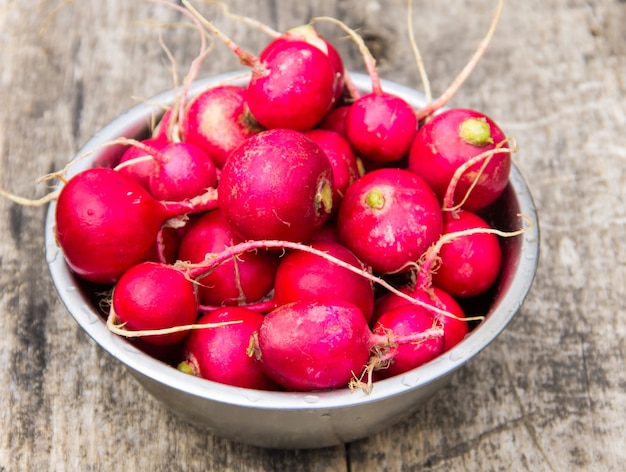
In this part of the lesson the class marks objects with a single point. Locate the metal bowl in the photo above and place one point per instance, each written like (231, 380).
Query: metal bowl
(298, 420)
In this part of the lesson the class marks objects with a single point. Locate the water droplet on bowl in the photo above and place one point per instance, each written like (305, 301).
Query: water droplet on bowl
(456, 355)
(91, 317)
(311, 398)
(52, 253)
(409, 380)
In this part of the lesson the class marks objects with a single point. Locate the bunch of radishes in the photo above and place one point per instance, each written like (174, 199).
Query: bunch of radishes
(294, 233)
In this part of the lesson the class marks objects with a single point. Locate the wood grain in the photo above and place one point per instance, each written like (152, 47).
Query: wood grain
(548, 394)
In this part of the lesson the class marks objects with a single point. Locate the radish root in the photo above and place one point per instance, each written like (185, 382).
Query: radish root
(383, 353)
(247, 20)
(195, 271)
(485, 157)
(246, 58)
(418, 55)
(118, 328)
(370, 62)
(443, 100)
(430, 258)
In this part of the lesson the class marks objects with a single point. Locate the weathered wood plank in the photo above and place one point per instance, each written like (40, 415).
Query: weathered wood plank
(549, 394)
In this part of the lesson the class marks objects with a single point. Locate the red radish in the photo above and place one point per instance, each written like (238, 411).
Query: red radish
(327, 233)
(182, 171)
(454, 330)
(342, 159)
(310, 35)
(431, 107)
(293, 82)
(152, 296)
(218, 120)
(244, 279)
(469, 265)
(306, 33)
(221, 354)
(406, 320)
(381, 126)
(451, 139)
(106, 222)
(163, 130)
(335, 120)
(292, 86)
(169, 354)
(306, 276)
(388, 218)
(310, 345)
(138, 164)
(165, 247)
(276, 185)
(327, 322)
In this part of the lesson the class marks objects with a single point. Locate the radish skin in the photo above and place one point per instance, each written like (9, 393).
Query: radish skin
(452, 138)
(151, 296)
(220, 354)
(306, 345)
(105, 222)
(305, 276)
(388, 218)
(242, 280)
(278, 184)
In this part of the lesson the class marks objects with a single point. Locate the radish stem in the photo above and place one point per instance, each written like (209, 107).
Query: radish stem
(443, 100)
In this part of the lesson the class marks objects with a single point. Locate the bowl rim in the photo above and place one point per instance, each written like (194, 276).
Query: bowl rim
(136, 360)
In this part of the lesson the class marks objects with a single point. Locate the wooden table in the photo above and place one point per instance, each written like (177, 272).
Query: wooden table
(548, 394)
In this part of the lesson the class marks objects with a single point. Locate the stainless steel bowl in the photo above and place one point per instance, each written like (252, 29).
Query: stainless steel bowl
(298, 420)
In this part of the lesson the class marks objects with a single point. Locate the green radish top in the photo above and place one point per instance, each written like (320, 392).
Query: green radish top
(324, 197)
(375, 199)
(475, 131)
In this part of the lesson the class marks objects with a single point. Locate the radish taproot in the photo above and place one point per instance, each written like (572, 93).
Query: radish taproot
(293, 85)
(138, 162)
(278, 184)
(455, 328)
(182, 171)
(310, 35)
(468, 265)
(379, 125)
